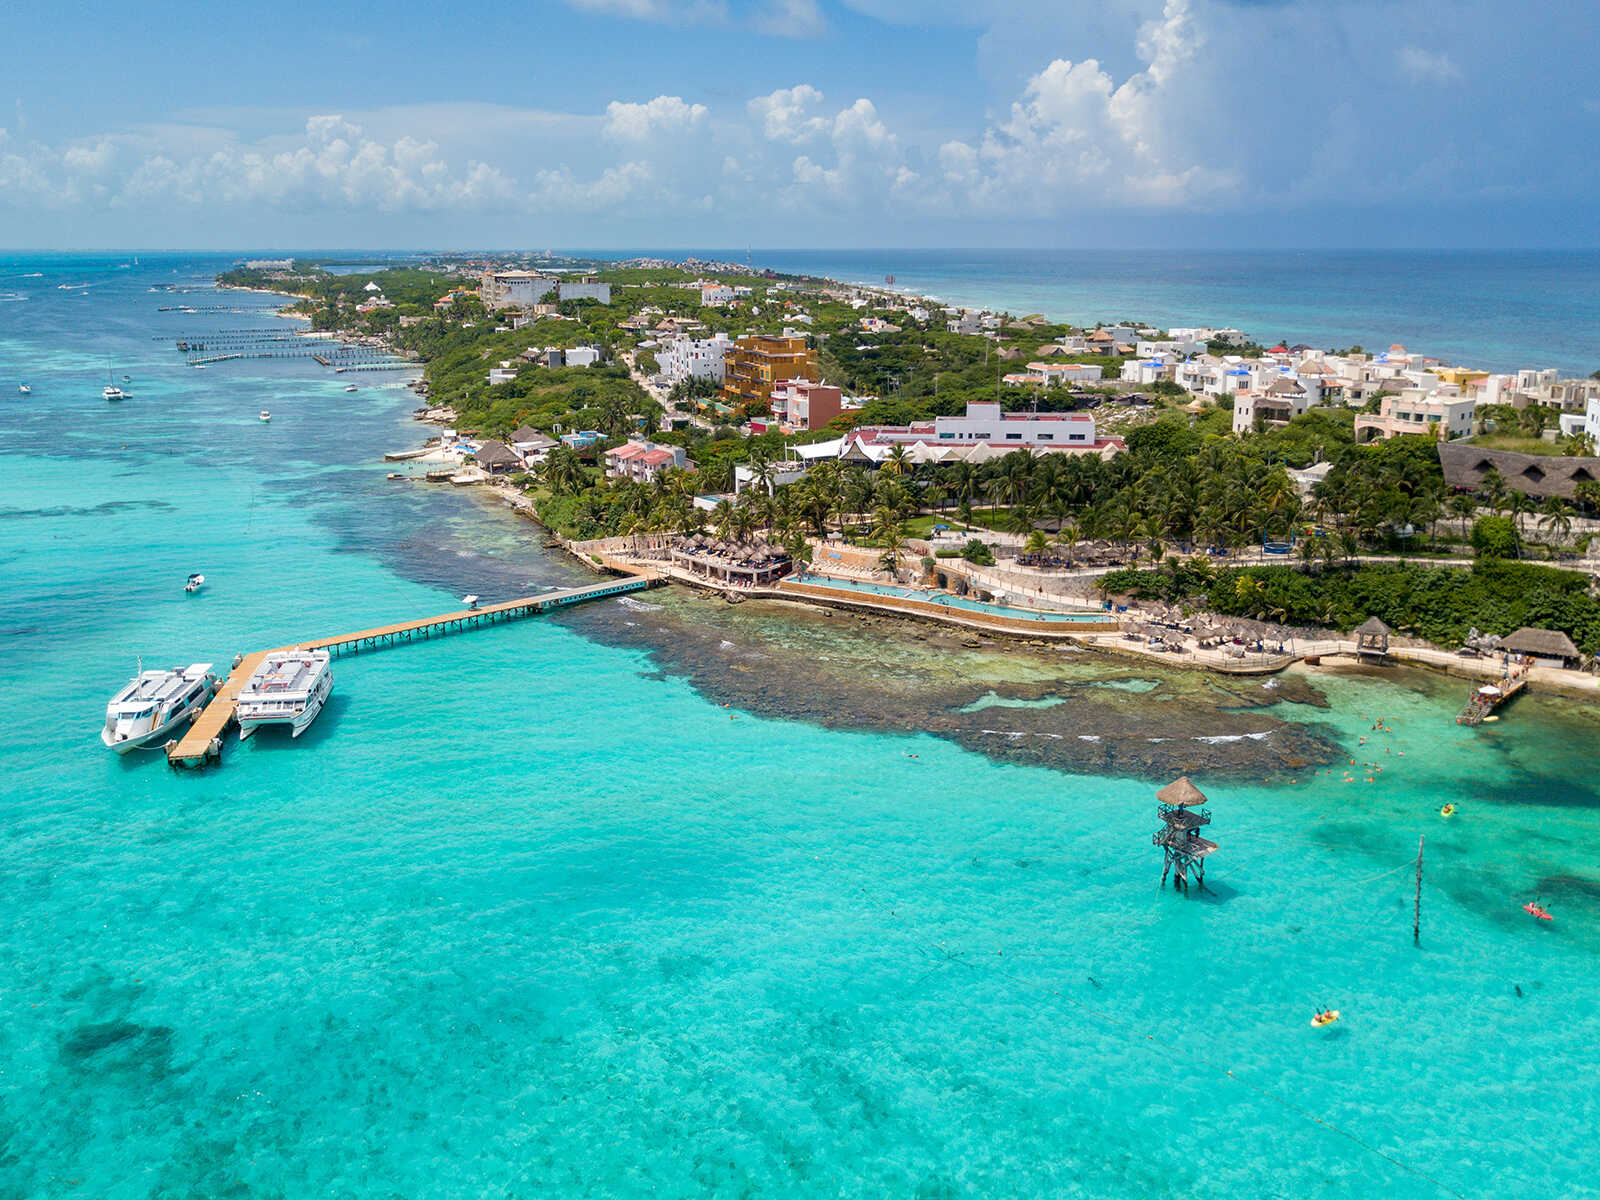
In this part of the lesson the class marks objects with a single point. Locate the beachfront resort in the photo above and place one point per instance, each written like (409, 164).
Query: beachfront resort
(1184, 492)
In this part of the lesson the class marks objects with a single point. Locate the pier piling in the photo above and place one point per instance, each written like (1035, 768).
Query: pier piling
(203, 742)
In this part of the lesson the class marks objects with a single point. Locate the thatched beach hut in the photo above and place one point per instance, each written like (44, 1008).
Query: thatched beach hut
(1372, 639)
(1546, 647)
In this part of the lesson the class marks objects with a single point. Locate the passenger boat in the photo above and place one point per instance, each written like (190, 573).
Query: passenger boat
(153, 703)
(112, 392)
(265, 415)
(194, 583)
(288, 688)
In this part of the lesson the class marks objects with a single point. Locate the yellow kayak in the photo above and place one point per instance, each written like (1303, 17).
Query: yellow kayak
(1325, 1018)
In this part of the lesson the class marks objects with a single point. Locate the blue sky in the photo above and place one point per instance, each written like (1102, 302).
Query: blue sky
(630, 123)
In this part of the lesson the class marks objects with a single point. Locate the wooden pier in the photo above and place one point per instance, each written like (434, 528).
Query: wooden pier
(203, 742)
(1486, 699)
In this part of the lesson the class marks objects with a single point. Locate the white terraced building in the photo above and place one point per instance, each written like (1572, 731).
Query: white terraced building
(985, 431)
(514, 289)
(688, 358)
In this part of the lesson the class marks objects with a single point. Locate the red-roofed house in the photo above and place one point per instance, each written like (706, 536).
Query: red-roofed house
(643, 461)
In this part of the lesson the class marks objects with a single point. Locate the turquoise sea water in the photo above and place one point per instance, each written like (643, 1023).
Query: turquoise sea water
(519, 916)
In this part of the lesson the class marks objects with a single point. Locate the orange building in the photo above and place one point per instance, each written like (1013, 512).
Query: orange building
(753, 364)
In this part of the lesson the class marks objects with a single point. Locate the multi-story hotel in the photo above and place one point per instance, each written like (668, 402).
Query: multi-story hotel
(754, 364)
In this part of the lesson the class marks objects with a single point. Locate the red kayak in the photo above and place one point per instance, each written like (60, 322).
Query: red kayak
(1537, 911)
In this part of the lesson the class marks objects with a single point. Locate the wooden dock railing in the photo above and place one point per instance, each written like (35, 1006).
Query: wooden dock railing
(203, 741)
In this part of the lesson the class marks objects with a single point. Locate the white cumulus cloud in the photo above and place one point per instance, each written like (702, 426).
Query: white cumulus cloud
(664, 114)
(785, 115)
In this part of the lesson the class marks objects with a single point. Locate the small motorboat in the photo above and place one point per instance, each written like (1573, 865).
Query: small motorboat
(24, 389)
(194, 583)
(127, 379)
(1538, 910)
(350, 387)
(265, 415)
(1325, 1018)
(470, 601)
(199, 366)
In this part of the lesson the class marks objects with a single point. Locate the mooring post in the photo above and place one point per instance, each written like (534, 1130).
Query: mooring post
(1416, 911)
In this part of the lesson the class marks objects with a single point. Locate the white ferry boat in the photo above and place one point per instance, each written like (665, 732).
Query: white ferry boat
(288, 688)
(153, 703)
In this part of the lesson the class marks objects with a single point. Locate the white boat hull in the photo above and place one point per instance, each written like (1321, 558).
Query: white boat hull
(135, 741)
(298, 720)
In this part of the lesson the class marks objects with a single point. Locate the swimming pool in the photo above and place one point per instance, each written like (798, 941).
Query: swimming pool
(952, 601)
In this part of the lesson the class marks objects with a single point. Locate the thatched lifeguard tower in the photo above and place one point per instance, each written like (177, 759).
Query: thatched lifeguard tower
(1181, 807)
(1372, 640)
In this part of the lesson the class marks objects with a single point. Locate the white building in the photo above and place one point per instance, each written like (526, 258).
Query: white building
(1068, 372)
(1182, 347)
(581, 356)
(1591, 420)
(688, 358)
(504, 373)
(1146, 371)
(1444, 414)
(1278, 403)
(514, 289)
(986, 422)
(716, 293)
(585, 289)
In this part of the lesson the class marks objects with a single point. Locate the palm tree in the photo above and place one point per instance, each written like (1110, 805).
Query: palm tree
(563, 471)
(1519, 505)
(722, 519)
(1463, 505)
(1553, 516)
(1493, 488)
(886, 528)
(1587, 494)
(1067, 537)
(1037, 543)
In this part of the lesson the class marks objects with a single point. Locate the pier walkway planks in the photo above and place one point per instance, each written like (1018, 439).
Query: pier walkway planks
(195, 749)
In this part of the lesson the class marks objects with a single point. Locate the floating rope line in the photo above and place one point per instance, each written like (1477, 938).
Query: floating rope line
(1148, 1041)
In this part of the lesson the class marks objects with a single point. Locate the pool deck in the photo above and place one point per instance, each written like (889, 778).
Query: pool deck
(988, 622)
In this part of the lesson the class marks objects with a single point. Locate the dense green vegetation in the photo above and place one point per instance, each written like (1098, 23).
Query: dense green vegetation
(1185, 485)
(1441, 604)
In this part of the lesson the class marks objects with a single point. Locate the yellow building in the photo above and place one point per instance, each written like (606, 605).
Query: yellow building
(754, 364)
(1461, 376)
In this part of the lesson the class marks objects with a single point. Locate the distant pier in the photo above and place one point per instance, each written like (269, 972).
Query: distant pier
(203, 742)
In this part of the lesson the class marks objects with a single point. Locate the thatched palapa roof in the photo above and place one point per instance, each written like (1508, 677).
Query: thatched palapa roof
(1546, 643)
(1465, 466)
(496, 454)
(1372, 627)
(1181, 793)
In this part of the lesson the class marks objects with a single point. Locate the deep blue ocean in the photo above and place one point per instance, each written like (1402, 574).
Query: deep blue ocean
(527, 914)
(1499, 310)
